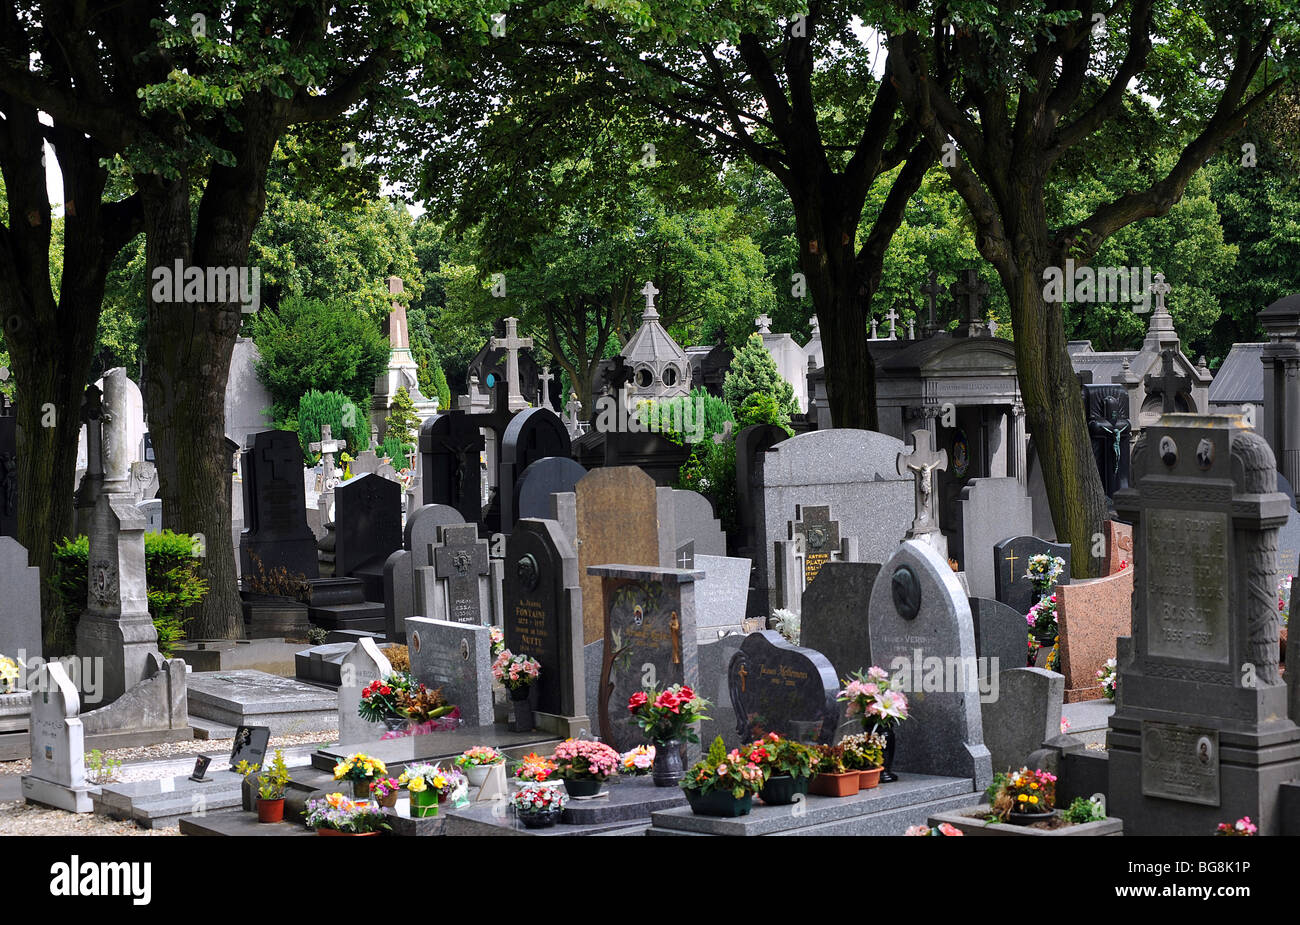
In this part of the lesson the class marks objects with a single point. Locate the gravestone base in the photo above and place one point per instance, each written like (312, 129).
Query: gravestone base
(156, 804)
(274, 656)
(255, 698)
(122, 643)
(48, 793)
(563, 727)
(1252, 769)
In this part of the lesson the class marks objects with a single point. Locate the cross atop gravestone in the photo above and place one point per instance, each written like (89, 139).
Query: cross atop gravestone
(971, 289)
(1168, 384)
(460, 560)
(911, 329)
(891, 317)
(873, 330)
(512, 343)
(816, 537)
(544, 380)
(932, 291)
(327, 446)
(283, 457)
(763, 323)
(1160, 289)
(649, 291)
(921, 463)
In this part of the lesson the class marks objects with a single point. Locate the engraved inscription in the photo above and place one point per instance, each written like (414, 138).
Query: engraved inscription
(1180, 763)
(1186, 585)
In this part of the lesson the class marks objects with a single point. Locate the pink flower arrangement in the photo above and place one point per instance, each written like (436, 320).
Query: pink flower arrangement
(515, 671)
(874, 698)
(1242, 826)
(582, 759)
(943, 828)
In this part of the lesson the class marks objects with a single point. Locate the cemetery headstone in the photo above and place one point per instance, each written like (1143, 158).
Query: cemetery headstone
(20, 602)
(1001, 633)
(462, 563)
(123, 428)
(275, 507)
(451, 448)
(921, 464)
(543, 477)
(1025, 714)
(58, 744)
(1011, 561)
(650, 639)
(918, 614)
(1202, 668)
(399, 594)
(368, 522)
(457, 658)
(1119, 547)
(715, 658)
(686, 519)
(777, 687)
(617, 523)
(834, 617)
(1110, 429)
(720, 595)
(1089, 617)
(532, 435)
(8, 469)
(152, 511)
(991, 510)
(365, 663)
(816, 536)
(542, 613)
(250, 745)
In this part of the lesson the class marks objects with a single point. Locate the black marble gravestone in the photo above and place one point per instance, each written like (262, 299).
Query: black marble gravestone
(1010, 562)
(1111, 431)
(537, 574)
(450, 459)
(250, 745)
(834, 610)
(8, 469)
(777, 687)
(535, 434)
(275, 507)
(542, 478)
(368, 522)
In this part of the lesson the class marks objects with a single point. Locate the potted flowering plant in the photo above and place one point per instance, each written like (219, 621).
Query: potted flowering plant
(1023, 796)
(834, 777)
(667, 718)
(1242, 826)
(270, 787)
(880, 704)
(584, 765)
(478, 761)
(1108, 678)
(9, 674)
(360, 770)
(723, 783)
(788, 766)
(430, 785)
(337, 815)
(637, 762)
(533, 768)
(384, 791)
(865, 753)
(538, 806)
(517, 673)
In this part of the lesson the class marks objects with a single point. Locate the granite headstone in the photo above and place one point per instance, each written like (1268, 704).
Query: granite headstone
(1011, 561)
(275, 518)
(777, 687)
(834, 618)
(457, 658)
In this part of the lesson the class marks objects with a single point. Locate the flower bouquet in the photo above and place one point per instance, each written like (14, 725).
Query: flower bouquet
(584, 765)
(478, 762)
(788, 766)
(1108, 677)
(1242, 826)
(431, 785)
(382, 700)
(723, 783)
(384, 791)
(865, 753)
(516, 672)
(533, 768)
(668, 719)
(360, 770)
(1023, 796)
(337, 815)
(638, 761)
(943, 828)
(878, 701)
(9, 674)
(538, 806)
(497, 639)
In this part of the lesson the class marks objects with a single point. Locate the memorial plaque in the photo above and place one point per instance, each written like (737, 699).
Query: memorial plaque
(1186, 586)
(540, 569)
(1180, 763)
(250, 745)
(461, 560)
(816, 538)
(777, 687)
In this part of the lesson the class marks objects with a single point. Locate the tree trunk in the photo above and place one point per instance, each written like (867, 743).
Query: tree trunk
(188, 358)
(1054, 410)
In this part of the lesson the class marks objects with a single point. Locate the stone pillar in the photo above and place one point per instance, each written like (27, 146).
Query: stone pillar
(1017, 465)
(1281, 360)
(118, 448)
(995, 424)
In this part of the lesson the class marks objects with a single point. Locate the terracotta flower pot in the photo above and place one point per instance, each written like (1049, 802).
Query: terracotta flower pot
(270, 810)
(869, 778)
(835, 785)
(389, 801)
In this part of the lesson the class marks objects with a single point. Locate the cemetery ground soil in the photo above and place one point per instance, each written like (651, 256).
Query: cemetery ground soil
(19, 818)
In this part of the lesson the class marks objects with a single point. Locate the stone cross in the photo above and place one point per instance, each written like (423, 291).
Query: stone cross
(873, 330)
(649, 291)
(970, 288)
(891, 317)
(544, 382)
(932, 291)
(282, 457)
(327, 446)
(1168, 384)
(460, 561)
(817, 539)
(763, 324)
(911, 329)
(816, 327)
(1160, 289)
(921, 463)
(574, 408)
(512, 343)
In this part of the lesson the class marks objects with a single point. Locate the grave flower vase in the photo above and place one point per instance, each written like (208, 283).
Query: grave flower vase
(583, 788)
(540, 820)
(361, 789)
(668, 769)
(719, 803)
(477, 774)
(783, 789)
(522, 700)
(887, 776)
(424, 803)
(270, 810)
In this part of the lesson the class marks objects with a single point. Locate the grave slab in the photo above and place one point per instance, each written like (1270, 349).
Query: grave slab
(255, 698)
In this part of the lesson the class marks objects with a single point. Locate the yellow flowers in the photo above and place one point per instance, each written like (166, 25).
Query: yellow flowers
(1022, 798)
(415, 784)
(356, 767)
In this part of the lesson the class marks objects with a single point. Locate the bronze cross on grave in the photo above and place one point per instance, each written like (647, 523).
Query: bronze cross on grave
(1168, 384)
(1012, 559)
(817, 538)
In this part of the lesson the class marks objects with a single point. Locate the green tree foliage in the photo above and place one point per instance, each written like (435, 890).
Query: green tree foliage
(753, 371)
(402, 421)
(346, 419)
(171, 578)
(441, 389)
(314, 344)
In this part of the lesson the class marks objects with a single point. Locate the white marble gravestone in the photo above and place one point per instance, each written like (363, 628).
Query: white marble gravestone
(365, 663)
(58, 774)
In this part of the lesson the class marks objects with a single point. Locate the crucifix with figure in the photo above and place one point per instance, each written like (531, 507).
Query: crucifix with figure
(512, 343)
(327, 446)
(922, 463)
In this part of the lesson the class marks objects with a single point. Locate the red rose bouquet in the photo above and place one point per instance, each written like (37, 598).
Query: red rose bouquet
(668, 715)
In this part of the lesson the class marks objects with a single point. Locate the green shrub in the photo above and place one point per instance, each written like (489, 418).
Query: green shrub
(1083, 810)
(395, 450)
(402, 421)
(316, 409)
(754, 371)
(442, 388)
(171, 579)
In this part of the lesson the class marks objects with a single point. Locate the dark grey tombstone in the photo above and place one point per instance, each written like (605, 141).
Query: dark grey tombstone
(275, 507)
(399, 595)
(542, 478)
(1111, 430)
(461, 561)
(715, 657)
(834, 614)
(368, 522)
(777, 687)
(1010, 561)
(1000, 633)
(420, 535)
(541, 576)
(535, 434)
(250, 745)
(450, 474)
